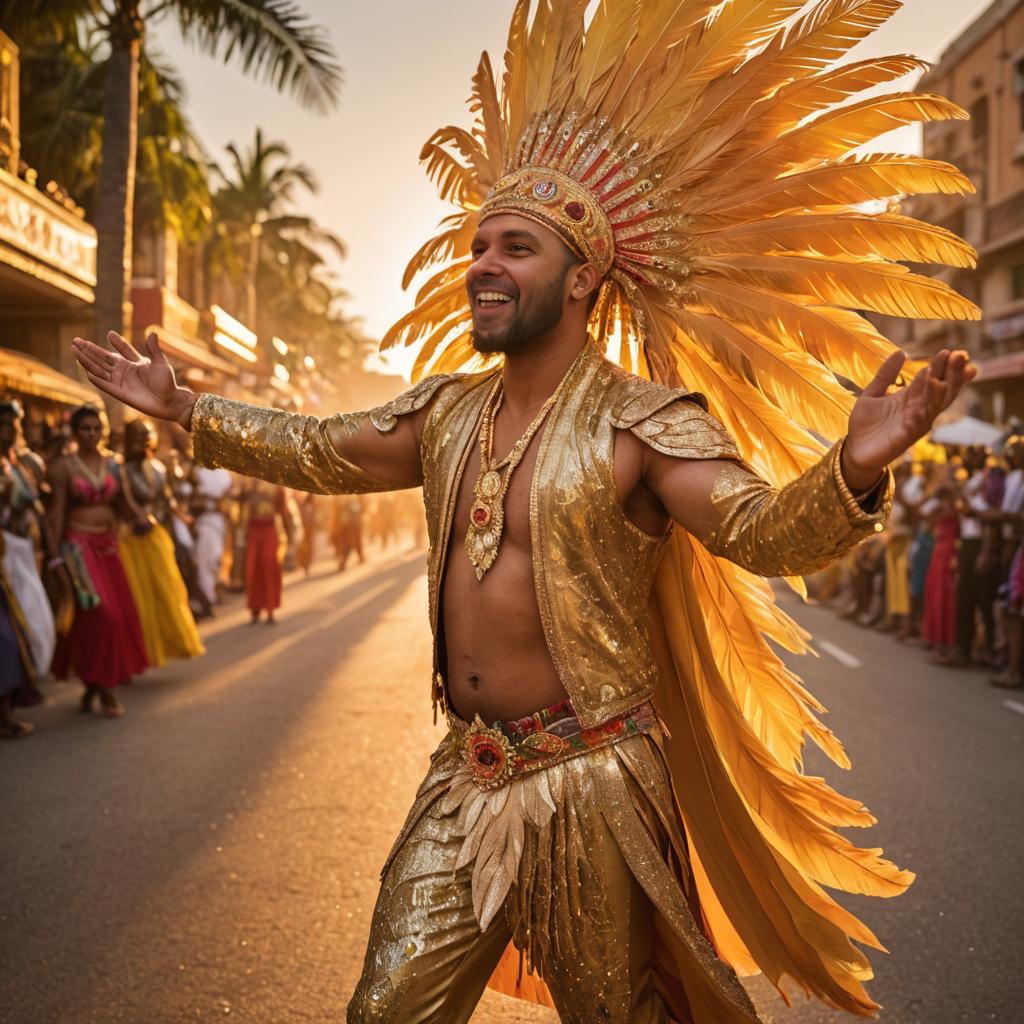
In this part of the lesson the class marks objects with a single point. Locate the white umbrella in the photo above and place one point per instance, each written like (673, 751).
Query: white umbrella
(968, 431)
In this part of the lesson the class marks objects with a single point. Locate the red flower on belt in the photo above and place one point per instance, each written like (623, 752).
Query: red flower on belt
(489, 754)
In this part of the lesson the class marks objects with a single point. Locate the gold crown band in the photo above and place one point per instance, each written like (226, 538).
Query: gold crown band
(560, 203)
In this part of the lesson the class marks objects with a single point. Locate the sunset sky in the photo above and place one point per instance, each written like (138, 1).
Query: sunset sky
(407, 70)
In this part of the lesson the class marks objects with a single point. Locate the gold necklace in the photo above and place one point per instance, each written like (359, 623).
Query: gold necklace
(487, 514)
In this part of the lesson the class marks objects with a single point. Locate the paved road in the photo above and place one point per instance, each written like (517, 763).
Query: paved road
(215, 852)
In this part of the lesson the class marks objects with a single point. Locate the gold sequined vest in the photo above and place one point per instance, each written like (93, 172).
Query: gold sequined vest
(593, 569)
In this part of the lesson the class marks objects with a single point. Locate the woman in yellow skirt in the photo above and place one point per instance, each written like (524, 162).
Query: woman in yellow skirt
(168, 627)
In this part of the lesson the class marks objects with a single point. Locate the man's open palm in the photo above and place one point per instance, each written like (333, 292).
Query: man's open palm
(883, 425)
(145, 382)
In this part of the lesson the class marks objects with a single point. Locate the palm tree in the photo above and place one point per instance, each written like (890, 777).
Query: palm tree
(61, 133)
(254, 205)
(270, 38)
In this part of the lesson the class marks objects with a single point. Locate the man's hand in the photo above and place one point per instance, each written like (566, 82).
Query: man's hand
(883, 426)
(146, 384)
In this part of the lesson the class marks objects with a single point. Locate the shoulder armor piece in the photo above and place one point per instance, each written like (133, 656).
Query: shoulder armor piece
(672, 421)
(385, 417)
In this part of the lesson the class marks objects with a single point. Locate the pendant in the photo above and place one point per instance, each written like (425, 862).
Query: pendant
(486, 519)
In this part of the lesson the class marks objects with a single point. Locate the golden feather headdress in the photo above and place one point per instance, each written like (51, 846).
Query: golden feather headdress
(712, 147)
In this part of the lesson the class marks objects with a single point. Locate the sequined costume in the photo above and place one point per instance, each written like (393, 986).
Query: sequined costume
(612, 658)
(702, 156)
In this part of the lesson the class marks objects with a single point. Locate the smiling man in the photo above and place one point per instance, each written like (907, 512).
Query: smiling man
(619, 793)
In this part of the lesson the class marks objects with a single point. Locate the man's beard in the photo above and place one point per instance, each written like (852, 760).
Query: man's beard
(520, 330)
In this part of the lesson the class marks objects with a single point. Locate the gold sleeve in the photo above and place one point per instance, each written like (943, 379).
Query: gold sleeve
(799, 528)
(301, 452)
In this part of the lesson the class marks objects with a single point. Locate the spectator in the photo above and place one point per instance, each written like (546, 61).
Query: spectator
(940, 606)
(168, 628)
(1012, 616)
(263, 505)
(897, 550)
(974, 592)
(105, 647)
(210, 509)
(307, 519)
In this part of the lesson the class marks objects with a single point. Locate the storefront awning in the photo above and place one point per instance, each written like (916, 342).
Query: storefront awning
(1000, 367)
(190, 352)
(30, 376)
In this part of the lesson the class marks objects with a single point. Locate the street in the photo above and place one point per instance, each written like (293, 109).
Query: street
(215, 852)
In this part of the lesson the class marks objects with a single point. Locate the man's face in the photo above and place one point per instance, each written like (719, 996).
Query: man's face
(8, 432)
(516, 282)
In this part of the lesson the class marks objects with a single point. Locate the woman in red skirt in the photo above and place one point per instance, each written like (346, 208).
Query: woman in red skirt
(939, 625)
(104, 648)
(263, 505)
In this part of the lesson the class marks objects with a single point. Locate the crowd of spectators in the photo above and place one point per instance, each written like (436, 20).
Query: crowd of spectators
(948, 572)
(108, 558)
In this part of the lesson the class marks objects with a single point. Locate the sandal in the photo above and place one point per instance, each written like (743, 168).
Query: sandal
(1006, 682)
(16, 730)
(112, 707)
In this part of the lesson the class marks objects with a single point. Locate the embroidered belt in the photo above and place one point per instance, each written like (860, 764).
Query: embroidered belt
(501, 752)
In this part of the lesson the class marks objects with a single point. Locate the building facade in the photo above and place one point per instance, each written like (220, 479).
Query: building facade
(982, 70)
(47, 274)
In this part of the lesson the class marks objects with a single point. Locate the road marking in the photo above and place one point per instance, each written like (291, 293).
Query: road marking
(1014, 705)
(843, 657)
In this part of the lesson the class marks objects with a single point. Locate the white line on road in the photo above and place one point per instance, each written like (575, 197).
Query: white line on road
(1014, 705)
(843, 657)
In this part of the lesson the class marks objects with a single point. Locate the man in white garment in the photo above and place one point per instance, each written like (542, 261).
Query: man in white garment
(212, 486)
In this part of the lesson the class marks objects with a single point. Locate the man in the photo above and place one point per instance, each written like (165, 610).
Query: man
(574, 510)
(212, 488)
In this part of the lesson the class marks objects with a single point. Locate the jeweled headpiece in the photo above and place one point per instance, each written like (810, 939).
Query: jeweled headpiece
(703, 155)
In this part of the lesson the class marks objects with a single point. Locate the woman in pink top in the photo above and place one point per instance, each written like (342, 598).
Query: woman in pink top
(105, 647)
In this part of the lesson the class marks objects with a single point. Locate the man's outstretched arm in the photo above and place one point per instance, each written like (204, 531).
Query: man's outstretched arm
(799, 528)
(350, 453)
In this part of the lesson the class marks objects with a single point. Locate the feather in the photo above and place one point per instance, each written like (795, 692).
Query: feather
(889, 236)
(840, 339)
(836, 132)
(854, 284)
(484, 102)
(809, 44)
(825, 33)
(795, 383)
(761, 686)
(608, 37)
(453, 242)
(430, 310)
(771, 443)
(455, 182)
(849, 181)
(443, 335)
(513, 86)
(795, 812)
(664, 26)
(767, 119)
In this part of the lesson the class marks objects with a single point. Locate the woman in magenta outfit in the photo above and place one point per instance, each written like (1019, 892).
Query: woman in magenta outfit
(105, 647)
(939, 626)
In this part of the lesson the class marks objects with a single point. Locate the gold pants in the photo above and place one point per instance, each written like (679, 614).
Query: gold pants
(596, 899)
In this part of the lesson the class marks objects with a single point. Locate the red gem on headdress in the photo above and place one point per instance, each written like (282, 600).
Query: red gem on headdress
(576, 210)
(600, 244)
